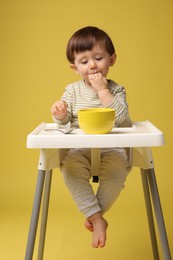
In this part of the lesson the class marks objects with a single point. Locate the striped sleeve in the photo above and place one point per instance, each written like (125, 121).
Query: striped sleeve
(119, 103)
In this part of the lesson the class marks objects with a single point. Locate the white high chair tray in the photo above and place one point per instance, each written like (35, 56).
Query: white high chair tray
(141, 134)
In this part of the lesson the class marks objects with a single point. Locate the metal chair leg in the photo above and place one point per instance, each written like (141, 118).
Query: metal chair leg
(158, 214)
(44, 214)
(150, 214)
(35, 215)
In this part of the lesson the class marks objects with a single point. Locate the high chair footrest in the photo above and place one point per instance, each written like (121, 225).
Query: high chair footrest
(96, 179)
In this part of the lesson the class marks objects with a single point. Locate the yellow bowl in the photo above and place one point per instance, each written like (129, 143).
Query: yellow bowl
(96, 120)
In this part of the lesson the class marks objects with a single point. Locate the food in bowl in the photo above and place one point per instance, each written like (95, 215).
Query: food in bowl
(96, 120)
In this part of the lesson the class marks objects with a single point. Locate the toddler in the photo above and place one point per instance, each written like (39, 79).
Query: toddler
(91, 53)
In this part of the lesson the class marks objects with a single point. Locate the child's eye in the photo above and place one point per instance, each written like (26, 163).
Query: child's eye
(84, 61)
(98, 58)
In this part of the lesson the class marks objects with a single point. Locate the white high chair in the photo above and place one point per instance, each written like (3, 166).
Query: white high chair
(140, 156)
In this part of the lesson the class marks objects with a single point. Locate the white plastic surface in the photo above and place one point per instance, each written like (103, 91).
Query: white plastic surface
(141, 134)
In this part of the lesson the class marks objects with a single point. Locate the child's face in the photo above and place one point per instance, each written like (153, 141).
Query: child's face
(93, 61)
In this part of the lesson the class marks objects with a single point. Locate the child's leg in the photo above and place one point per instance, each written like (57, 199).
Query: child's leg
(76, 172)
(112, 176)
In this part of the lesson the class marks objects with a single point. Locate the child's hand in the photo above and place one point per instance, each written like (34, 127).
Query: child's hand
(98, 81)
(59, 109)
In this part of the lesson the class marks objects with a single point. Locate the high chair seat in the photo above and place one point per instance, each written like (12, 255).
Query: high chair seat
(137, 141)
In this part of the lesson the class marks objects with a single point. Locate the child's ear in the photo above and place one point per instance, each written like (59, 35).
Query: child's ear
(113, 59)
(74, 68)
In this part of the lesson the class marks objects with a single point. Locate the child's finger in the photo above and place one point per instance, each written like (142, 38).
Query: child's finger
(63, 106)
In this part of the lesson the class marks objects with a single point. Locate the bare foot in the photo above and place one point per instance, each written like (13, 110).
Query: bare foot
(98, 225)
(88, 225)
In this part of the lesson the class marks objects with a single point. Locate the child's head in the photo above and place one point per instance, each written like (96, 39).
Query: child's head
(85, 39)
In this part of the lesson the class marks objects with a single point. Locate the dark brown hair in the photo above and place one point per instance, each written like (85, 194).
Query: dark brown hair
(84, 40)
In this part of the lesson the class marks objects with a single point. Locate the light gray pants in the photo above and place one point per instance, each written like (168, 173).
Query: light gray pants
(113, 171)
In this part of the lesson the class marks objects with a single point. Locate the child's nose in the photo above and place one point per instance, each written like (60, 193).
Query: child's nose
(92, 64)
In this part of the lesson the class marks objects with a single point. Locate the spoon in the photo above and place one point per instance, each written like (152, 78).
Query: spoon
(64, 131)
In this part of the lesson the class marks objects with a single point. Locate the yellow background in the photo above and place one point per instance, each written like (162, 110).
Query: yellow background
(34, 72)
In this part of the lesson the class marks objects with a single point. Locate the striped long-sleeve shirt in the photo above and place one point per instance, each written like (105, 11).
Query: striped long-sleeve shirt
(79, 96)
